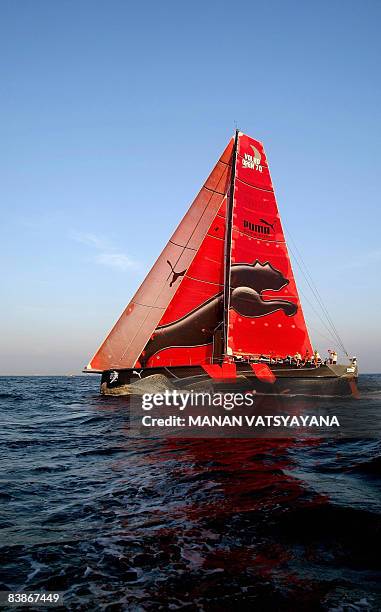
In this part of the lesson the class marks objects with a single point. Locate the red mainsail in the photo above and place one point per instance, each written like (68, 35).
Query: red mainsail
(186, 274)
(226, 268)
(265, 314)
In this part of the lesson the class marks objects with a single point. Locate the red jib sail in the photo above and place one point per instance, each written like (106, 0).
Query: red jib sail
(232, 235)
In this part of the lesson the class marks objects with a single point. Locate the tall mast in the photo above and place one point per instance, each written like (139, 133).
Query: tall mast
(228, 246)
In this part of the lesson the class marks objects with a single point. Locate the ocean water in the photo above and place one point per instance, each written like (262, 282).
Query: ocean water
(118, 523)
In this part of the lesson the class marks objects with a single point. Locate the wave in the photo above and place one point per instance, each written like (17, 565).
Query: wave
(13, 396)
(108, 451)
(371, 466)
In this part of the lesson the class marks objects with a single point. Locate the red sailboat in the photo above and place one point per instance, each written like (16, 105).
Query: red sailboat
(221, 301)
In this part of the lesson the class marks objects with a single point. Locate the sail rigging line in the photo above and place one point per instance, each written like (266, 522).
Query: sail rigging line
(328, 330)
(332, 329)
(325, 311)
(310, 282)
(228, 246)
(317, 331)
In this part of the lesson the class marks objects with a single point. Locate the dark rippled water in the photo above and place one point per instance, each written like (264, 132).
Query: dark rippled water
(129, 524)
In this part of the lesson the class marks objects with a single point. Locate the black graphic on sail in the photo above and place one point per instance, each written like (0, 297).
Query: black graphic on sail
(248, 281)
(176, 275)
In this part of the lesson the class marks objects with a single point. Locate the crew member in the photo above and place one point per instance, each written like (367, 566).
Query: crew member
(297, 358)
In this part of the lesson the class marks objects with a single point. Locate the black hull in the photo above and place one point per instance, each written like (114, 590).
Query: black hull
(326, 380)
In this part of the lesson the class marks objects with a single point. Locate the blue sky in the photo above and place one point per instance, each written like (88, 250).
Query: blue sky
(113, 114)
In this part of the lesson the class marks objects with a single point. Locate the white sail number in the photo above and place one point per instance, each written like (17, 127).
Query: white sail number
(249, 161)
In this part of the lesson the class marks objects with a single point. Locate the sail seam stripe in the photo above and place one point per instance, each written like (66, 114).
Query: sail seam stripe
(214, 190)
(182, 246)
(261, 239)
(147, 305)
(200, 280)
(215, 237)
(254, 187)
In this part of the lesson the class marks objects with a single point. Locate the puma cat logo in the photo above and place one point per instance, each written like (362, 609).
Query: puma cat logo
(176, 275)
(269, 224)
